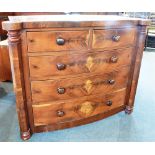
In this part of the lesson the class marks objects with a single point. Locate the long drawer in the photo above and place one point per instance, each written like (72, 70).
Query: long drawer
(46, 67)
(76, 109)
(68, 88)
(57, 41)
(113, 38)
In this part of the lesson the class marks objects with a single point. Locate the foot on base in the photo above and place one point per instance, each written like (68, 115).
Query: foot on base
(128, 110)
(25, 135)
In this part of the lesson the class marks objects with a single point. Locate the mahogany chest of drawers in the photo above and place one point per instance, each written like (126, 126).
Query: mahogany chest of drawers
(70, 70)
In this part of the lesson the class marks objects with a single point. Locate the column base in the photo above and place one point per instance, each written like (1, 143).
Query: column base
(128, 110)
(26, 135)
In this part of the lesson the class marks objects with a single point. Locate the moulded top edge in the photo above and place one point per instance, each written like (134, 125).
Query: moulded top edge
(39, 21)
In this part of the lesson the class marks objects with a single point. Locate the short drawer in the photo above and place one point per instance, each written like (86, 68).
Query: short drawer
(46, 67)
(68, 88)
(113, 38)
(57, 41)
(76, 109)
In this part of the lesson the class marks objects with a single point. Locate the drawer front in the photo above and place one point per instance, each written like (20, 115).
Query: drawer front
(52, 90)
(76, 109)
(57, 41)
(46, 67)
(113, 38)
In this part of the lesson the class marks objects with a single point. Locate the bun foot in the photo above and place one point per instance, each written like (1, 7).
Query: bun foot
(128, 110)
(26, 135)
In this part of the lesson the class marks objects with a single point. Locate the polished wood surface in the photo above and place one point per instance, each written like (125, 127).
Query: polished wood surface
(76, 109)
(73, 70)
(107, 39)
(136, 68)
(4, 17)
(64, 21)
(5, 67)
(48, 41)
(43, 67)
(18, 81)
(79, 86)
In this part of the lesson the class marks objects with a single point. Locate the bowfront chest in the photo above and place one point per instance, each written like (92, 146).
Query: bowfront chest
(70, 70)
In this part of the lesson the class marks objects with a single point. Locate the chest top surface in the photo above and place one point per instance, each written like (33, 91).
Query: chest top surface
(49, 21)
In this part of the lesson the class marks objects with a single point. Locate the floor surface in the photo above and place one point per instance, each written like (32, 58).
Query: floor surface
(139, 126)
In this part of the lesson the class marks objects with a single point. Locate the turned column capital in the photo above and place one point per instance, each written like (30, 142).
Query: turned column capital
(13, 36)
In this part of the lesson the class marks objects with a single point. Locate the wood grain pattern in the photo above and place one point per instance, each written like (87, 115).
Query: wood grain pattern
(39, 22)
(104, 38)
(26, 76)
(47, 128)
(5, 67)
(18, 81)
(62, 69)
(137, 64)
(46, 41)
(47, 113)
(45, 67)
(43, 91)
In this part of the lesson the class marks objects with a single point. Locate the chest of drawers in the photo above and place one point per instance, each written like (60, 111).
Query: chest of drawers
(73, 70)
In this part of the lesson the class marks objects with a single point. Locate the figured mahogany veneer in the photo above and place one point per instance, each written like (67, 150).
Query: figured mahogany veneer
(113, 38)
(46, 67)
(50, 41)
(76, 109)
(73, 70)
(43, 91)
(5, 68)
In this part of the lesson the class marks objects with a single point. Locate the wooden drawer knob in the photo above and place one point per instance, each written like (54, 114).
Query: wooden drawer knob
(114, 59)
(116, 38)
(60, 113)
(109, 103)
(111, 81)
(61, 90)
(61, 66)
(60, 41)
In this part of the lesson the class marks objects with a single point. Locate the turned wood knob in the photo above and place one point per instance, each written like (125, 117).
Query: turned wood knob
(109, 103)
(61, 66)
(116, 38)
(60, 113)
(61, 90)
(60, 41)
(114, 59)
(111, 81)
